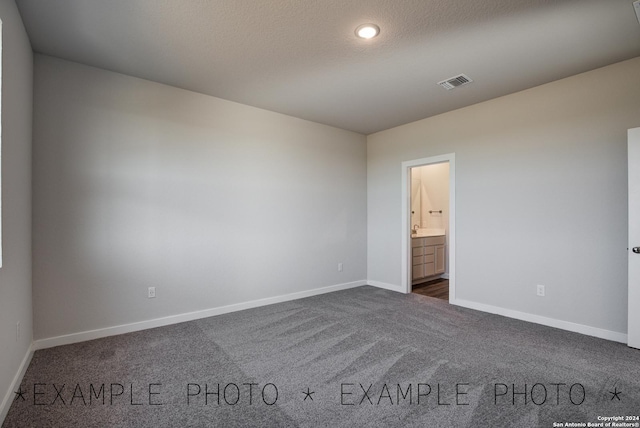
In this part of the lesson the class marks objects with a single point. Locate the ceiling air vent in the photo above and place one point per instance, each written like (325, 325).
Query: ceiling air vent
(454, 82)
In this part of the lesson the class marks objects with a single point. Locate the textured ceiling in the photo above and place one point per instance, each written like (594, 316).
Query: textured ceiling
(301, 58)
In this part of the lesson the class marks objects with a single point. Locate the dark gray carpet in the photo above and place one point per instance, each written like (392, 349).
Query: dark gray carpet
(410, 353)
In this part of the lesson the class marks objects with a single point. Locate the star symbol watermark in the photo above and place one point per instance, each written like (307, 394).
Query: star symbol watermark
(308, 394)
(615, 394)
(19, 394)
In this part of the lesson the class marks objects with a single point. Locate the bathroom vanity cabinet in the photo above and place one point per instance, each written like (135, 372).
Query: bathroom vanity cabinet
(428, 256)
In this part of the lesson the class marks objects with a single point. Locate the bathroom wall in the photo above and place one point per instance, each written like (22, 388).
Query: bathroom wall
(435, 196)
(416, 198)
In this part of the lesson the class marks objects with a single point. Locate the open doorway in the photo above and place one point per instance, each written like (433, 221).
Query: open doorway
(428, 226)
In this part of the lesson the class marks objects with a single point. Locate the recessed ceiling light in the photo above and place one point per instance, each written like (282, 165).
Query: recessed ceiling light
(367, 31)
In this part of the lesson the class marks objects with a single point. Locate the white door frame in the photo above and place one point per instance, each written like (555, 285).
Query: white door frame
(633, 317)
(406, 219)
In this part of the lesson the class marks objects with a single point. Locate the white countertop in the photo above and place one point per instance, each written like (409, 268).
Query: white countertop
(422, 233)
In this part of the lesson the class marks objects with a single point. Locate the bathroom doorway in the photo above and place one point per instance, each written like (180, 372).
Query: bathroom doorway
(428, 226)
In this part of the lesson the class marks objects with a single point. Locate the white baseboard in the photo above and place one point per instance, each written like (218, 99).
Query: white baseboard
(17, 380)
(190, 316)
(550, 322)
(523, 316)
(386, 286)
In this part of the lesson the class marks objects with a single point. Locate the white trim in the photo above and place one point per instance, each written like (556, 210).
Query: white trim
(1, 56)
(550, 322)
(406, 210)
(17, 380)
(386, 286)
(633, 236)
(190, 316)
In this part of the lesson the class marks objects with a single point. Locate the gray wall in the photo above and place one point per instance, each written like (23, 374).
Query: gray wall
(541, 196)
(15, 274)
(139, 184)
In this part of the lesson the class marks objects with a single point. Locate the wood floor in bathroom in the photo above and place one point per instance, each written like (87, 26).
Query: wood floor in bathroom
(438, 288)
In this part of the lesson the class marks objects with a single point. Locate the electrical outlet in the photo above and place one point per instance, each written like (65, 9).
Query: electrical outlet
(18, 331)
(540, 290)
(339, 267)
(152, 292)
